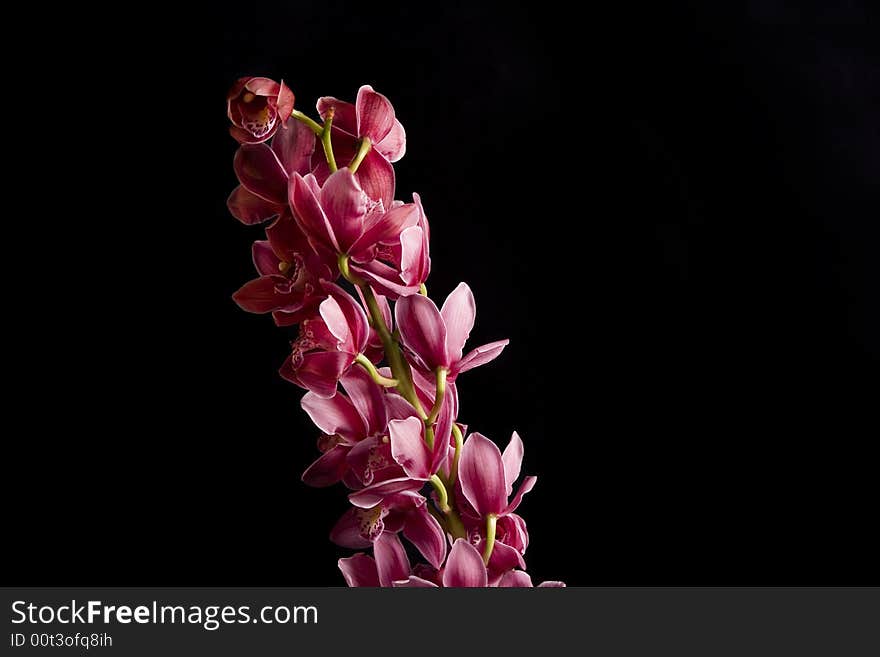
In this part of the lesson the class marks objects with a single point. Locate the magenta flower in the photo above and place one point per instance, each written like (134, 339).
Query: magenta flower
(263, 172)
(256, 107)
(341, 218)
(436, 338)
(327, 345)
(400, 267)
(290, 272)
(487, 475)
(371, 117)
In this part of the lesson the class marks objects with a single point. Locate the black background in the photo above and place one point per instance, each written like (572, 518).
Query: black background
(672, 213)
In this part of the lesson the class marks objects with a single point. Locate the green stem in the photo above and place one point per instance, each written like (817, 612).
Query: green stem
(459, 441)
(491, 521)
(441, 493)
(316, 127)
(423, 290)
(325, 141)
(453, 522)
(383, 381)
(363, 149)
(440, 377)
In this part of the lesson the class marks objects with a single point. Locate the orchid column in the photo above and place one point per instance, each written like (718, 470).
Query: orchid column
(382, 385)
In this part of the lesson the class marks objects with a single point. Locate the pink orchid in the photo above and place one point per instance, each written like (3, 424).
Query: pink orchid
(257, 106)
(263, 172)
(289, 270)
(327, 345)
(436, 338)
(341, 218)
(487, 475)
(391, 564)
(371, 117)
(464, 568)
(400, 267)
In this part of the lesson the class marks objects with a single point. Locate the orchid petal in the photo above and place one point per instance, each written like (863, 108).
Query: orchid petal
(376, 176)
(516, 579)
(264, 258)
(512, 458)
(359, 570)
(336, 415)
(393, 146)
(319, 372)
(464, 567)
(409, 449)
(367, 398)
(480, 356)
(356, 528)
(259, 170)
(328, 468)
(527, 485)
(375, 114)
(309, 213)
(249, 208)
(370, 496)
(391, 560)
(422, 530)
(414, 582)
(294, 145)
(422, 330)
(344, 114)
(345, 205)
(481, 473)
(458, 312)
(261, 295)
(551, 584)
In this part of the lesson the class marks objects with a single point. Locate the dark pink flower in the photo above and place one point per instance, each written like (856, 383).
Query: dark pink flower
(436, 338)
(290, 272)
(487, 476)
(328, 344)
(400, 266)
(263, 172)
(256, 107)
(390, 564)
(341, 218)
(371, 117)
(464, 568)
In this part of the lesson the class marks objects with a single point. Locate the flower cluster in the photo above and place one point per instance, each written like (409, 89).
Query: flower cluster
(381, 384)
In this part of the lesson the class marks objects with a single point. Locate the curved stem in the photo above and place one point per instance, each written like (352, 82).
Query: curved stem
(363, 149)
(383, 381)
(316, 127)
(459, 441)
(441, 493)
(326, 143)
(453, 521)
(423, 290)
(440, 378)
(491, 521)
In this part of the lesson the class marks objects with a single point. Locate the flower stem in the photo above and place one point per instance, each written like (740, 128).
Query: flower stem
(453, 522)
(325, 141)
(383, 381)
(395, 358)
(363, 149)
(491, 521)
(316, 127)
(440, 377)
(459, 441)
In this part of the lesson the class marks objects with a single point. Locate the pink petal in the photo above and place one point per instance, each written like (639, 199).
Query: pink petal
(375, 114)
(376, 176)
(335, 415)
(551, 584)
(319, 372)
(393, 147)
(512, 459)
(387, 228)
(384, 279)
(458, 312)
(262, 86)
(262, 295)
(328, 468)
(344, 114)
(243, 136)
(309, 213)
(265, 259)
(249, 208)
(422, 330)
(504, 558)
(345, 205)
(358, 528)
(368, 497)
(480, 356)
(414, 582)
(391, 560)
(355, 318)
(259, 170)
(294, 145)
(422, 530)
(527, 485)
(516, 579)
(367, 398)
(415, 265)
(409, 448)
(464, 567)
(359, 570)
(336, 322)
(285, 101)
(481, 473)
